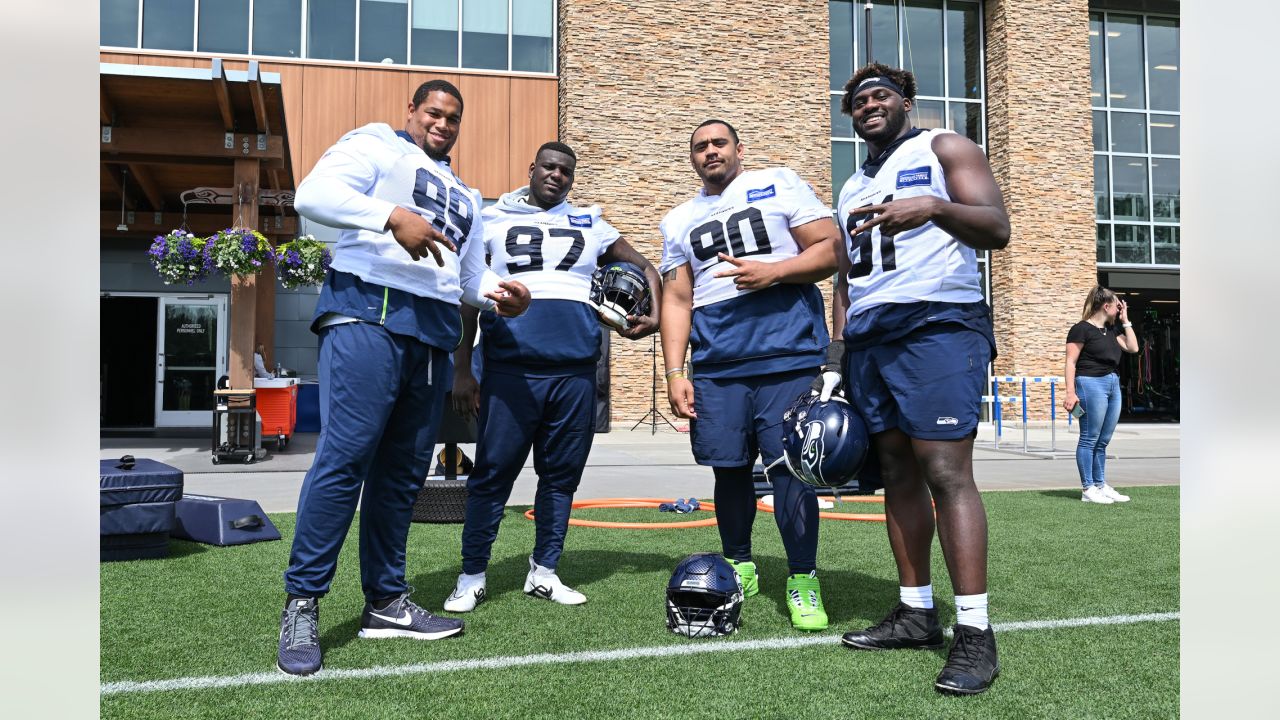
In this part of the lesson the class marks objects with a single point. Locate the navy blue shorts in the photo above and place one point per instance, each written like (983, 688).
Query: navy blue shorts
(741, 417)
(928, 383)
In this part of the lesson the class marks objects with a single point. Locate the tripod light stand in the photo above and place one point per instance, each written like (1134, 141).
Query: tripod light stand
(654, 413)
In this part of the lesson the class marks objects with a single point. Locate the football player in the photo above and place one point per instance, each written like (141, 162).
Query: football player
(387, 317)
(918, 338)
(538, 389)
(739, 263)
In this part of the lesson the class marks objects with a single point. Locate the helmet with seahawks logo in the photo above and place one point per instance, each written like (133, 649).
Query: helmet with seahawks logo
(704, 597)
(824, 443)
(619, 289)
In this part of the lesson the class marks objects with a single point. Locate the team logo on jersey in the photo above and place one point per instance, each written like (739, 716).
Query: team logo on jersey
(761, 194)
(915, 176)
(580, 220)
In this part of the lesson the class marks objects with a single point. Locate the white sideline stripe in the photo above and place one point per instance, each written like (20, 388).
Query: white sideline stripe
(499, 663)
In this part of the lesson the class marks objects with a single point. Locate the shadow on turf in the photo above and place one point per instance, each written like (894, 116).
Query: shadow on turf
(1067, 494)
(581, 567)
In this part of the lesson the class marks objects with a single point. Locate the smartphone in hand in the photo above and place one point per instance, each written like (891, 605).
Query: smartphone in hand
(1077, 411)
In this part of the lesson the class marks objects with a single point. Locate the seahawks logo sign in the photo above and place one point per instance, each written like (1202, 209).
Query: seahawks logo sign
(811, 450)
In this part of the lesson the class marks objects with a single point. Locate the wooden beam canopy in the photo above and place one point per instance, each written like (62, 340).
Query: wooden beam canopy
(191, 144)
(223, 95)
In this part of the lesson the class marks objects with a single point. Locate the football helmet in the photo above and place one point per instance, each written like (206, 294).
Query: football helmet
(619, 289)
(824, 443)
(704, 597)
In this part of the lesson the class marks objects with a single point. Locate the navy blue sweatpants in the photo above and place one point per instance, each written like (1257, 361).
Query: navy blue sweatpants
(381, 398)
(738, 419)
(553, 416)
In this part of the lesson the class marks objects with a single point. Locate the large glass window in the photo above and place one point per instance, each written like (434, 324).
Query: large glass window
(277, 28)
(531, 34)
(1136, 186)
(118, 23)
(331, 29)
(939, 41)
(168, 24)
(505, 35)
(435, 32)
(224, 27)
(383, 31)
(484, 34)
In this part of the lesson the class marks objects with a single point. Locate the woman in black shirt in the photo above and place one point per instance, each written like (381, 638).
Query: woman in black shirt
(1094, 346)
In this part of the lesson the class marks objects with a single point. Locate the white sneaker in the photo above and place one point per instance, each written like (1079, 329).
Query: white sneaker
(1115, 496)
(544, 583)
(467, 594)
(1095, 495)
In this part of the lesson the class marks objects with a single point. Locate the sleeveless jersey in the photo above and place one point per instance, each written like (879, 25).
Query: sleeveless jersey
(925, 264)
(752, 219)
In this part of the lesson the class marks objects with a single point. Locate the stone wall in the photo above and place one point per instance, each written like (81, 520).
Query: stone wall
(636, 77)
(1040, 144)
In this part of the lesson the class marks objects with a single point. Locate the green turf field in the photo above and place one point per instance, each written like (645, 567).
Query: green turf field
(214, 612)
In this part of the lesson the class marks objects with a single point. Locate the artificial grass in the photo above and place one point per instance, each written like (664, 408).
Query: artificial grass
(215, 611)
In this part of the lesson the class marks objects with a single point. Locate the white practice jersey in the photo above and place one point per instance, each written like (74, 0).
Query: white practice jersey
(359, 181)
(924, 264)
(752, 219)
(552, 252)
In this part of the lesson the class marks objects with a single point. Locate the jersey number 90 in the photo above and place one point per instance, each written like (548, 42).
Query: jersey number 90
(714, 237)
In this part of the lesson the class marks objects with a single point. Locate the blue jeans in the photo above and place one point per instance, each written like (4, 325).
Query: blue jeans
(1100, 397)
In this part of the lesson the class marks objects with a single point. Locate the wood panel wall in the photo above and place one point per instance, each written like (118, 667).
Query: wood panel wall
(505, 119)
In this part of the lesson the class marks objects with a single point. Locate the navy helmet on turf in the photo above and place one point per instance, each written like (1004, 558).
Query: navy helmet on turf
(619, 289)
(824, 443)
(704, 597)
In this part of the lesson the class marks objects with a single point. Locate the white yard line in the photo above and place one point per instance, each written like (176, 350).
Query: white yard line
(586, 656)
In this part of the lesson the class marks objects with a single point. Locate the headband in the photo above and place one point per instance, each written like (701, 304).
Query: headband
(879, 81)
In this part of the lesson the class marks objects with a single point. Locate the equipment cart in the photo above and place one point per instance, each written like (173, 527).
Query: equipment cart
(235, 426)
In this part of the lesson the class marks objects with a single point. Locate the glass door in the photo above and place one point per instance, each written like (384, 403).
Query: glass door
(191, 356)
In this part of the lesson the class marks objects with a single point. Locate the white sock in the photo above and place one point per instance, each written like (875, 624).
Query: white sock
(971, 610)
(916, 597)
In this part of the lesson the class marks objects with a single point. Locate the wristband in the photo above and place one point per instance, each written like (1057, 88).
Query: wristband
(1127, 325)
(674, 371)
(835, 357)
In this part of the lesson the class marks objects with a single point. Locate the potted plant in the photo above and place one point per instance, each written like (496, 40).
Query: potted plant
(181, 257)
(239, 251)
(302, 261)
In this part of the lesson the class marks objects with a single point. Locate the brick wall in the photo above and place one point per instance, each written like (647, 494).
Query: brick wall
(635, 79)
(1040, 144)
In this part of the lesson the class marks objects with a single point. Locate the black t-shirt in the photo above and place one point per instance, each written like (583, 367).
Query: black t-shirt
(1101, 352)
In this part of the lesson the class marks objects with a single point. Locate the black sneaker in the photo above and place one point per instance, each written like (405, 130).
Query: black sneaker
(405, 619)
(299, 652)
(903, 627)
(971, 665)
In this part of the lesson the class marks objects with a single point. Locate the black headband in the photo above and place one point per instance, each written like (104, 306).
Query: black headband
(879, 81)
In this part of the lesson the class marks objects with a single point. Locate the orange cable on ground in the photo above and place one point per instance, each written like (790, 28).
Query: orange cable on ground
(864, 517)
(633, 503)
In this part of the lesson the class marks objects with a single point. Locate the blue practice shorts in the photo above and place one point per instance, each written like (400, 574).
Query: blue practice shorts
(741, 417)
(928, 383)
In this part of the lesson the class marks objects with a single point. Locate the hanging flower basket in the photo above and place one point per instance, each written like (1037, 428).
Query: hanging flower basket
(302, 261)
(238, 251)
(181, 257)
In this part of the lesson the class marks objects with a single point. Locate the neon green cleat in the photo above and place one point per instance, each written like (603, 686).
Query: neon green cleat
(747, 572)
(804, 598)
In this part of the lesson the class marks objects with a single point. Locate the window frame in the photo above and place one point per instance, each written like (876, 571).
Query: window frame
(304, 49)
(1103, 105)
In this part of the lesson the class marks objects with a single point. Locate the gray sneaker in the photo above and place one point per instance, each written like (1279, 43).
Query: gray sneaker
(299, 652)
(406, 619)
